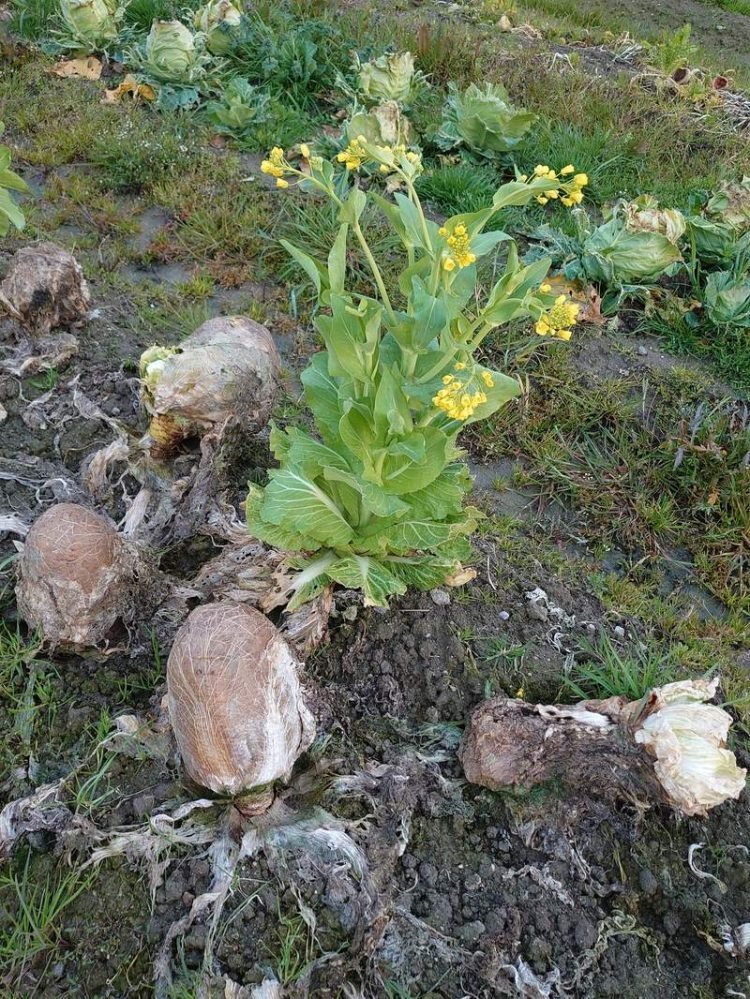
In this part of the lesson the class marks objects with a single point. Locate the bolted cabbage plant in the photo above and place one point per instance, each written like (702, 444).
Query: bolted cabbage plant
(373, 499)
(391, 77)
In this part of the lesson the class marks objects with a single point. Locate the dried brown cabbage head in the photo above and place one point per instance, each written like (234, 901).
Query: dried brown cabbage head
(235, 701)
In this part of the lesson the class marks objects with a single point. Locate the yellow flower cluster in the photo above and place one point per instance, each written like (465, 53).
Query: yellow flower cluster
(559, 319)
(276, 166)
(354, 155)
(457, 397)
(459, 248)
(398, 151)
(569, 192)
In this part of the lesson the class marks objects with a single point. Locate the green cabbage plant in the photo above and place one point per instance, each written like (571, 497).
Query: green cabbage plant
(218, 21)
(372, 496)
(10, 213)
(483, 120)
(241, 107)
(726, 299)
(389, 78)
(173, 54)
(90, 25)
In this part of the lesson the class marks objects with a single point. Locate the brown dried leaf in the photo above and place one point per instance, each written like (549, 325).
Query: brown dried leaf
(129, 86)
(89, 68)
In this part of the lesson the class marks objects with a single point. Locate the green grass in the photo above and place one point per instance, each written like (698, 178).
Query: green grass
(295, 950)
(735, 6)
(33, 906)
(603, 670)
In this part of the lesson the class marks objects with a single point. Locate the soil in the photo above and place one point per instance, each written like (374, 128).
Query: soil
(466, 892)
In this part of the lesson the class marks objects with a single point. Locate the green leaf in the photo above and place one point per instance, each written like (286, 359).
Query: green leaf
(310, 455)
(351, 336)
(414, 534)
(357, 431)
(360, 572)
(422, 571)
(503, 391)
(430, 314)
(291, 500)
(415, 462)
(313, 268)
(337, 261)
(391, 410)
(445, 496)
(322, 396)
(355, 204)
(272, 534)
(374, 500)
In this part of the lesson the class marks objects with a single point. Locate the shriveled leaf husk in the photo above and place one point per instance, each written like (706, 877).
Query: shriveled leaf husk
(669, 747)
(77, 577)
(235, 701)
(227, 369)
(45, 288)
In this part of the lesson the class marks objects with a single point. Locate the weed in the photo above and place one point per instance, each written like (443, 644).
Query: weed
(460, 188)
(32, 909)
(297, 948)
(606, 671)
(136, 156)
(32, 18)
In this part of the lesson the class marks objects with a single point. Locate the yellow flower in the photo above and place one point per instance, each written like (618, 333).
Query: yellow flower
(275, 165)
(488, 380)
(566, 170)
(551, 195)
(558, 320)
(305, 150)
(282, 183)
(541, 199)
(459, 248)
(460, 365)
(523, 178)
(354, 155)
(459, 399)
(545, 288)
(581, 179)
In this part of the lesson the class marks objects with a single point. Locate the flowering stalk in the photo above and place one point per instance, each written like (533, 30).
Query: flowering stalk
(376, 500)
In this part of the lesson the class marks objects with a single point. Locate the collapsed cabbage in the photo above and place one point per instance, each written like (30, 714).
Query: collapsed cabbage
(636, 246)
(384, 125)
(171, 53)
(389, 78)
(217, 20)
(90, 24)
(688, 739)
(731, 203)
(483, 120)
(727, 298)
(644, 215)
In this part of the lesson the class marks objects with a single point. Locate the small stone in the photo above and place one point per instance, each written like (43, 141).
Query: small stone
(473, 882)
(188, 898)
(591, 628)
(3, 413)
(471, 932)
(441, 598)
(642, 351)
(504, 616)
(350, 613)
(648, 882)
(619, 631)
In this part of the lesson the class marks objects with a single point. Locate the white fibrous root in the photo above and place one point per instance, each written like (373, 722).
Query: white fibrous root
(688, 739)
(76, 577)
(45, 288)
(227, 369)
(235, 702)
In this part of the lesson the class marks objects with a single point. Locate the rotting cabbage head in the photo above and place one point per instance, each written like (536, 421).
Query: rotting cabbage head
(171, 53)
(644, 215)
(384, 125)
(76, 577)
(483, 119)
(217, 20)
(91, 24)
(241, 106)
(389, 78)
(731, 203)
(235, 702)
(227, 369)
(688, 739)
(617, 255)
